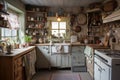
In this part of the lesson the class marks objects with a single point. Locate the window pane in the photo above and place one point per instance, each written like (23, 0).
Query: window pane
(62, 32)
(62, 25)
(2, 32)
(7, 32)
(54, 25)
(14, 33)
(55, 33)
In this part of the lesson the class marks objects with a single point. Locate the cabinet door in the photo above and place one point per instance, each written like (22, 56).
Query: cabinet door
(43, 57)
(55, 60)
(97, 72)
(18, 68)
(105, 72)
(78, 57)
(66, 60)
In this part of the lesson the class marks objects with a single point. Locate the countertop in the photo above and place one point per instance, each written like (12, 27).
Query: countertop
(97, 46)
(72, 44)
(18, 52)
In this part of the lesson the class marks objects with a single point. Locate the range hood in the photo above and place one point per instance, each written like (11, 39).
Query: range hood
(114, 16)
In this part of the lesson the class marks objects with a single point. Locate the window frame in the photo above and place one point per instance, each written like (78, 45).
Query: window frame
(16, 36)
(59, 29)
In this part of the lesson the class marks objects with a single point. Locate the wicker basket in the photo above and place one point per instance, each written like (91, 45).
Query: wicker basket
(110, 5)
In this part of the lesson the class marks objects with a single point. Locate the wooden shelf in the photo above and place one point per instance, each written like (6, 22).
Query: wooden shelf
(3, 12)
(35, 12)
(94, 22)
(36, 19)
(34, 28)
(93, 10)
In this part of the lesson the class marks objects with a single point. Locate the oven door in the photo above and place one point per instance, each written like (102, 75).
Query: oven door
(101, 70)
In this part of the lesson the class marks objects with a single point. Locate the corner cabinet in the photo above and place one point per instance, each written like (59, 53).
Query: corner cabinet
(36, 18)
(94, 26)
(11, 65)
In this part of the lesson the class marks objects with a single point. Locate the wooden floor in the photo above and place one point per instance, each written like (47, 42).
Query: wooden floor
(45, 75)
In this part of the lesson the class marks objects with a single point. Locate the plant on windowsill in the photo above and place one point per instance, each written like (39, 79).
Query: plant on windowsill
(27, 40)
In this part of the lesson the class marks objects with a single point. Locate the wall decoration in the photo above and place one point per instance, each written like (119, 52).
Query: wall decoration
(82, 19)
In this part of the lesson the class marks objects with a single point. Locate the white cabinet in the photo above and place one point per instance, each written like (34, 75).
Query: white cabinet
(66, 60)
(43, 57)
(97, 72)
(101, 70)
(112, 17)
(46, 58)
(55, 60)
(60, 60)
(105, 73)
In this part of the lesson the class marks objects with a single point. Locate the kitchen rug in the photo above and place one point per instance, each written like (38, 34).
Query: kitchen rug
(65, 76)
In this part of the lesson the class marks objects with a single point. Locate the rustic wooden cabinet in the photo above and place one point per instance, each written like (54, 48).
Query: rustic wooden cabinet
(11, 65)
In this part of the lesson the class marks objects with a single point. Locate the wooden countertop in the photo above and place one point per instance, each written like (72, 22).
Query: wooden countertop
(17, 52)
(97, 46)
(43, 44)
(73, 44)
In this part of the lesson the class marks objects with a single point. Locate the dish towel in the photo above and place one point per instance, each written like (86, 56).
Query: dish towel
(59, 48)
(29, 63)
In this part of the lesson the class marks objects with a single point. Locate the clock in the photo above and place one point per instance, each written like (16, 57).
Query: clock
(82, 18)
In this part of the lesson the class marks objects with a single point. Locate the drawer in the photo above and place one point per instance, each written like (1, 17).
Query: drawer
(78, 49)
(78, 61)
(97, 61)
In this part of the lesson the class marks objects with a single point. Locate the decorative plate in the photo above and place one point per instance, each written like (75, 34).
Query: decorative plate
(82, 18)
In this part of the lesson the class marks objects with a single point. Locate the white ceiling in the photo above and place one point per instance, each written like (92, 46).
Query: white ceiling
(60, 3)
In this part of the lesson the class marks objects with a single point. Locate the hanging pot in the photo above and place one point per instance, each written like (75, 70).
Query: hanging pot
(77, 29)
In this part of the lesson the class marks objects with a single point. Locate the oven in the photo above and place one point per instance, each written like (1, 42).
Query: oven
(107, 65)
(102, 71)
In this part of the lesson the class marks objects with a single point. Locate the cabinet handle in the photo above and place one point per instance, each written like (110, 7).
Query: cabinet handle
(103, 69)
(99, 69)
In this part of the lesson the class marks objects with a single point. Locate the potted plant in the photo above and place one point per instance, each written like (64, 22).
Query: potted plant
(27, 39)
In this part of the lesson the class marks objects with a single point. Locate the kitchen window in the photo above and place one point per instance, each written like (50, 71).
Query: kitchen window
(9, 33)
(13, 26)
(58, 29)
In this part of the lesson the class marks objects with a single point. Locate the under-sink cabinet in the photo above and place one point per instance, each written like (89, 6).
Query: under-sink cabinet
(60, 60)
(47, 59)
(72, 57)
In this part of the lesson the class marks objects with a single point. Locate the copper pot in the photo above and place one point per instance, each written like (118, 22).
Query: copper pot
(77, 29)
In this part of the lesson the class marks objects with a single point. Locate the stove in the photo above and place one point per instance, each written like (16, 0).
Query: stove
(107, 62)
(110, 57)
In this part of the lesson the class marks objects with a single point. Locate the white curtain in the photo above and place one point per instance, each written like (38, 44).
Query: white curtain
(12, 20)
